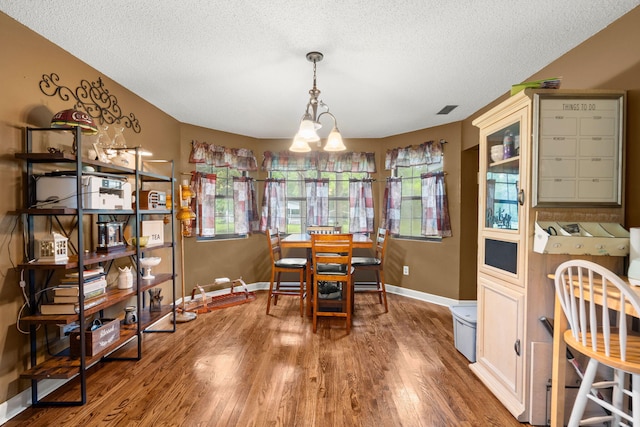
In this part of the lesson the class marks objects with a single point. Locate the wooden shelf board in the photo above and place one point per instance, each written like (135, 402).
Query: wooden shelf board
(90, 258)
(157, 280)
(65, 366)
(113, 296)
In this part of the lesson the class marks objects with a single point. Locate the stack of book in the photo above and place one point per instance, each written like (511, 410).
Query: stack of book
(66, 294)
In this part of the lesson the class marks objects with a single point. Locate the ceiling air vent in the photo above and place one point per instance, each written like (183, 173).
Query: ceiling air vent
(447, 109)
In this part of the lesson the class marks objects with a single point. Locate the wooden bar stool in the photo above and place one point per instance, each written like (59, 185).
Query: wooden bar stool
(597, 304)
(331, 255)
(376, 264)
(279, 265)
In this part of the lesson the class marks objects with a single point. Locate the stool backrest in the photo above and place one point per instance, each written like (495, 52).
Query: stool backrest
(596, 303)
(324, 229)
(331, 255)
(380, 244)
(275, 248)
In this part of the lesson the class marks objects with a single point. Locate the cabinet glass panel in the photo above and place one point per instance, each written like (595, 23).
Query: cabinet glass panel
(502, 183)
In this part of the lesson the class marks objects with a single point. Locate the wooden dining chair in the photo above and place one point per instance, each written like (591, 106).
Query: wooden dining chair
(597, 304)
(280, 264)
(331, 256)
(376, 264)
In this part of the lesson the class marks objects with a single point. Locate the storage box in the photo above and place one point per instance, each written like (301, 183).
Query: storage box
(581, 238)
(97, 340)
(465, 318)
(155, 230)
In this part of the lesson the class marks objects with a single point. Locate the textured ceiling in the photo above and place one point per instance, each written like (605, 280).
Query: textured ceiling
(388, 68)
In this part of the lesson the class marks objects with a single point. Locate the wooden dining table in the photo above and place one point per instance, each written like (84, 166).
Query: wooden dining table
(303, 240)
(559, 365)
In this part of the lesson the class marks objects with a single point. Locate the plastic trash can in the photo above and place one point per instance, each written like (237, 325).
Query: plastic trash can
(465, 318)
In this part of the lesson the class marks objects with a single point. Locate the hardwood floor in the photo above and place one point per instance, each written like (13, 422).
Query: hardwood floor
(240, 367)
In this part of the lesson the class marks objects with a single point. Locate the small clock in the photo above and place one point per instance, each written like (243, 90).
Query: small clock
(110, 236)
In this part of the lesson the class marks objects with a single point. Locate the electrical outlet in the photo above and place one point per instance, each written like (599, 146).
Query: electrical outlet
(405, 270)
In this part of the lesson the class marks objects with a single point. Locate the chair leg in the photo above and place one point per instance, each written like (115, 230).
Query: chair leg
(581, 399)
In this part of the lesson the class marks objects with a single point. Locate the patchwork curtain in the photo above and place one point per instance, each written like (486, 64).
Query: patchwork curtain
(245, 208)
(274, 205)
(321, 161)
(204, 185)
(317, 193)
(391, 205)
(435, 208)
(288, 161)
(219, 156)
(360, 206)
(424, 154)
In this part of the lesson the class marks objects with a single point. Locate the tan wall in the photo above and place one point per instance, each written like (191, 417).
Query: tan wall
(609, 60)
(434, 267)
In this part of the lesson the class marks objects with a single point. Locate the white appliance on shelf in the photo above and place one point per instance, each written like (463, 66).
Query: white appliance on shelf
(98, 192)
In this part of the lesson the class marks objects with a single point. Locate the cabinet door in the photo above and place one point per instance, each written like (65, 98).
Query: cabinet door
(504, 153)
(500, 345)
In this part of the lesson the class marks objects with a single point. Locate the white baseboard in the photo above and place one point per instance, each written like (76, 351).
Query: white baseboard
(22, 401)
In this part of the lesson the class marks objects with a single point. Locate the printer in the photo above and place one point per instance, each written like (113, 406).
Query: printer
(98, 192)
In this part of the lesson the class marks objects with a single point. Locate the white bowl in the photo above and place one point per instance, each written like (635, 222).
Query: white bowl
(150, 262)
(497, 156)
(147, 263)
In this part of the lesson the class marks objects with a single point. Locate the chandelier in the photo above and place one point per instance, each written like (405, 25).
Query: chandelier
(310, 122)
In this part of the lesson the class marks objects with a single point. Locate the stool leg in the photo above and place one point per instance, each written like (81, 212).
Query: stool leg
(270, 289)
(617, 396)
(275, 297)
(581, 399)
(383, 292)
(315, 305)
(635, 399)
(302, 274)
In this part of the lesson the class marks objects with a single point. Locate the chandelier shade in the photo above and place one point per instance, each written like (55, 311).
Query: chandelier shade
(310, 123)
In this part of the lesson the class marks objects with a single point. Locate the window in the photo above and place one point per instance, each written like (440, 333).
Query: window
(296, 197)
(224, 207)
(505, 199)
(411, 204)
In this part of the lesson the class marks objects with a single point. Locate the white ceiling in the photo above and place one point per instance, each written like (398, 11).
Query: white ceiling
(389, 66)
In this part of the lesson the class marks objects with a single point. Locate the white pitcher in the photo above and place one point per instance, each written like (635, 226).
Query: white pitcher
(125, 279)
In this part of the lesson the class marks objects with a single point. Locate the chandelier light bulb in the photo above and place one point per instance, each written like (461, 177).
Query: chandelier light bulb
(334, 142)
(299, 145)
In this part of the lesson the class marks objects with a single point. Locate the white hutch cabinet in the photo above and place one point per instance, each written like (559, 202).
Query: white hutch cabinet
(517, 142)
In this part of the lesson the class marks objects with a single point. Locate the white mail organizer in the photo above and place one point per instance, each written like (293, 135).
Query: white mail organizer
(581, 238)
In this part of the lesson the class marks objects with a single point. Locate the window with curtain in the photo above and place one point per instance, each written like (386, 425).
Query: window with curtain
(415, 203)
(228, 209)
(319, 189)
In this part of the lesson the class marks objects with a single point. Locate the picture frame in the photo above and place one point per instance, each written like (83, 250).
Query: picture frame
(578, 149)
